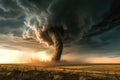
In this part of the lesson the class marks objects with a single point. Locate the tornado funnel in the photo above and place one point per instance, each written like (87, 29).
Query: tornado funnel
(55, 36)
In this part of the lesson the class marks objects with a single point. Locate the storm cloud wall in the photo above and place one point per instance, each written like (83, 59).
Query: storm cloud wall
(77, 18)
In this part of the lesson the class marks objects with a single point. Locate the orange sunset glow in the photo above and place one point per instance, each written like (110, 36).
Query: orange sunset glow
(15, 56)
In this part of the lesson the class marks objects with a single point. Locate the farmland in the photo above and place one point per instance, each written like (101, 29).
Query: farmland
(60, 72)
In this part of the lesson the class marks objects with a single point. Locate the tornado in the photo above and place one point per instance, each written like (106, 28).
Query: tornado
(52, 36)
(55, 34)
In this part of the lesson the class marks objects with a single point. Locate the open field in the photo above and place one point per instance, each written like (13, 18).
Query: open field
(67, 72)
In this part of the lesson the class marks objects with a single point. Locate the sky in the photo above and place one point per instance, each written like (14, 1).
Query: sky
(91, 30)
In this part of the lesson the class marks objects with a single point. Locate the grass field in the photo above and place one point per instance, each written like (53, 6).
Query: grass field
(61, 72)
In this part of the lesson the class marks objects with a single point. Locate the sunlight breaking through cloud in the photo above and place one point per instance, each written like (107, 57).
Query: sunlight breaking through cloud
(16, 56)
(11, 56)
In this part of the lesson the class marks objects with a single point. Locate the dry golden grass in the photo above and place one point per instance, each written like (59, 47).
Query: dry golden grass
(54, 72)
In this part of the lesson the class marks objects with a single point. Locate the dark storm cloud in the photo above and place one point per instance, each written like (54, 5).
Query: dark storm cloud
(105, 44)
(78, 17)
(11, 26)
(11, 17)
(9, 10)
(13, 13)
(46, 27)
